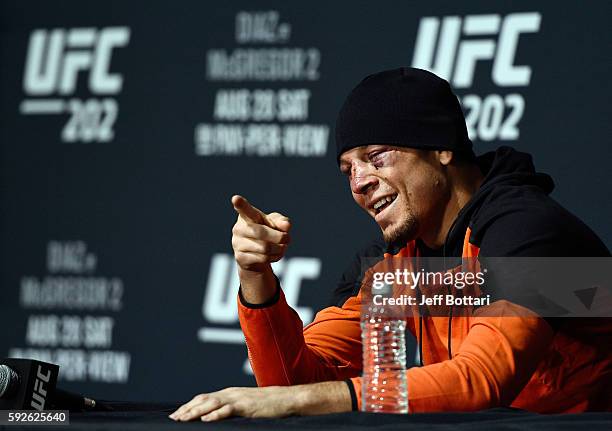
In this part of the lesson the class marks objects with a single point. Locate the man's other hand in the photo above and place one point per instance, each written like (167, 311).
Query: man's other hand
(267, 402)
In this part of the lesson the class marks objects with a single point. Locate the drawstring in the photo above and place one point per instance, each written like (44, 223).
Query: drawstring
(418, 288)
(420, 329)
(421, 338)
(450, 328)
(450, 313)
(449, 339)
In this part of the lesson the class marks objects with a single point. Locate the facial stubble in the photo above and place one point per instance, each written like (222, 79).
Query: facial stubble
(404, 232)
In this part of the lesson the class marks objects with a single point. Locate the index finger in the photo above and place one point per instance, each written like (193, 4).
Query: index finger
(248, 211)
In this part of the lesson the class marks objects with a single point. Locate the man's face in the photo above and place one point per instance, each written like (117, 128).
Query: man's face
(403, 189)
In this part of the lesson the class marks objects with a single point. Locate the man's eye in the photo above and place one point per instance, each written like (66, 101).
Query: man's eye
(376, 157)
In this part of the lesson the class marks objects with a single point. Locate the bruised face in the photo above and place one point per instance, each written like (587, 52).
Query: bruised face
(403, 189)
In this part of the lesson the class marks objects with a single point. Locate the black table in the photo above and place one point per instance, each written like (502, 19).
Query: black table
(153, 417)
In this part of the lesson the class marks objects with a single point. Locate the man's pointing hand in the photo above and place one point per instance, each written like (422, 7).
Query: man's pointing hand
(258, 240)
(253, 215)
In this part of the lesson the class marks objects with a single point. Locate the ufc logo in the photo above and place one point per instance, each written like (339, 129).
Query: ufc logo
(56, 57)
(219, 304)
(455, 59)
(40, 393)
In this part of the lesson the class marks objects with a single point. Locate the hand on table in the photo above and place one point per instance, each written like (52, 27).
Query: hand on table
(270, 402)
(266, 402)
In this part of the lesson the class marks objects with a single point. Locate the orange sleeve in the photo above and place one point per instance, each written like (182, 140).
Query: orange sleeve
(282, 352)
(492, 365)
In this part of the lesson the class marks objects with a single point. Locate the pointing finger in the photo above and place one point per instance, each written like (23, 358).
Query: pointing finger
(248, 211)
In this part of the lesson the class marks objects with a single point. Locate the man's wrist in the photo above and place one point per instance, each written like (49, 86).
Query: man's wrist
(257, 287)
(270, 302)
(321, 398)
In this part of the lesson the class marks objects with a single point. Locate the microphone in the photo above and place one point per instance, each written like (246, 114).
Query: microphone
(26, 384)
(9, 381)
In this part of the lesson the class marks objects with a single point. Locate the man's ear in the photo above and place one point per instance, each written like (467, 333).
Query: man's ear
(445, 157)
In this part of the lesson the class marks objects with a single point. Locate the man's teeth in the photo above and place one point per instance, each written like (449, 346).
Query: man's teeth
(383, 202)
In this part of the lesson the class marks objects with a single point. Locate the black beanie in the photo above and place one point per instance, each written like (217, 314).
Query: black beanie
(404, 107)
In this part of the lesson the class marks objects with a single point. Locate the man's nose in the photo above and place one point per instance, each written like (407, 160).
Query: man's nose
(362, 180)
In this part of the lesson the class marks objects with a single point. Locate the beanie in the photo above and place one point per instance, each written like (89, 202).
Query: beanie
(404, 107)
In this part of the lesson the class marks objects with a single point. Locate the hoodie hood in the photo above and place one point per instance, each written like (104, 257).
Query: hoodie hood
(509, 178)
(508, 166)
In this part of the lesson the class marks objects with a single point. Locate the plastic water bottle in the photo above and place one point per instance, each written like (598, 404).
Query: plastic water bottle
(383, 385)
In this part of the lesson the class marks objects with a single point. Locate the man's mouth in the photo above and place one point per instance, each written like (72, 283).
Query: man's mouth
(383, 203)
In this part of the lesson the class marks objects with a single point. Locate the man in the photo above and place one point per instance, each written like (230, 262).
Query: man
(403, 145)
